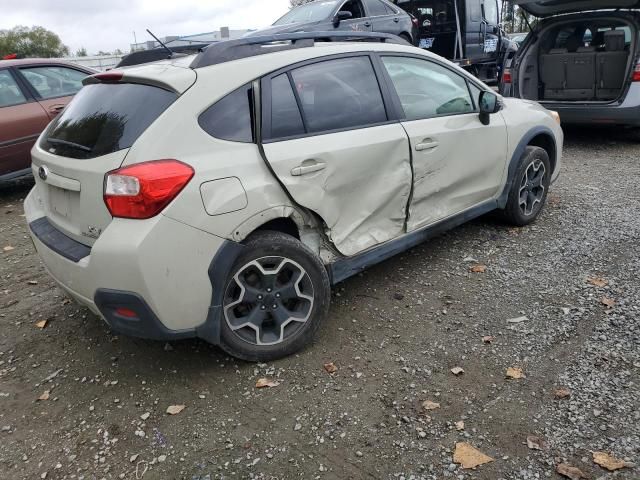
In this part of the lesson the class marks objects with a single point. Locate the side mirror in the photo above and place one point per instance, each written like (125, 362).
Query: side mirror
(489, 104)
(341, 15)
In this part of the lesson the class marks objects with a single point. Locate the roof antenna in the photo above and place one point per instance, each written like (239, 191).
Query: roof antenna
(163, 45)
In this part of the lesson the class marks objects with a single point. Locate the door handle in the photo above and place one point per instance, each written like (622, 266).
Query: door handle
(426, 145)
(307, 167)
(56, 108)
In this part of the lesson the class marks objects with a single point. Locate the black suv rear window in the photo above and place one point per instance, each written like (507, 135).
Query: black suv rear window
(105, 118)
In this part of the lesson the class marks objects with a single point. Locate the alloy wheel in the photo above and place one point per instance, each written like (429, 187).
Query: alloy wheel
(532, 187)
(268, 300)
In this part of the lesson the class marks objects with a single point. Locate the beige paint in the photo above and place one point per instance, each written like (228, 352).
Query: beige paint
(362, 190)
(362, 193)
(458, 163)
(224, 195)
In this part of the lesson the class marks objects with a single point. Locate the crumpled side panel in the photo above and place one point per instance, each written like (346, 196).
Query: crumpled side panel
(363, 189)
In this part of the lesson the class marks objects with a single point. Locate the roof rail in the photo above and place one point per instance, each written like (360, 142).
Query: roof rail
(229, 50)
(155, 54)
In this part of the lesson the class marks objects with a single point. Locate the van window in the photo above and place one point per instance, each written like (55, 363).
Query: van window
(339, 94)
(230, 118)
(104, 118)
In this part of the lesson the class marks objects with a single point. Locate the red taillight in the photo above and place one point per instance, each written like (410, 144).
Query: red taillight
(109, 77)
(143, 190)
(506, 76)
(126, 312)
(11, 56)
(636, 73)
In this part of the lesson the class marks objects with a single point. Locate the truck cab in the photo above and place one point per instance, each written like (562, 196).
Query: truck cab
(465, 31)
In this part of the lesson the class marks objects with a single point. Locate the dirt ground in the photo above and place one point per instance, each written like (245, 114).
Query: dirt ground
(394, 333)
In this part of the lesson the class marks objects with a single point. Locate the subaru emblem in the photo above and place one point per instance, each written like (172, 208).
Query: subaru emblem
(43, 172)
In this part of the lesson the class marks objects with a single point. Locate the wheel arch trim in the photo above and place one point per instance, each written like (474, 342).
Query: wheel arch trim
(525, 141)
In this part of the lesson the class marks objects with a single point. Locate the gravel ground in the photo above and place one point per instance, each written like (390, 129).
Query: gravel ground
(394, 334)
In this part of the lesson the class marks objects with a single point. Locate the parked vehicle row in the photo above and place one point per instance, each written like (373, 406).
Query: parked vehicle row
(222, 195)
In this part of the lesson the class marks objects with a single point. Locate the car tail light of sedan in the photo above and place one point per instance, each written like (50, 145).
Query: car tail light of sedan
(636, 73)
(143, 190)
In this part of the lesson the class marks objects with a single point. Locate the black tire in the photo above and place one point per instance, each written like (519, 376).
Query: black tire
(269, 251)
(515, 212)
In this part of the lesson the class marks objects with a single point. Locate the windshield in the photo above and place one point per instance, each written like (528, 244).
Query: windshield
(311, 12)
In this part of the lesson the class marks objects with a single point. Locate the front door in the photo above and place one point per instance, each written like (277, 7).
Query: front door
(458, 162)
(327, 137)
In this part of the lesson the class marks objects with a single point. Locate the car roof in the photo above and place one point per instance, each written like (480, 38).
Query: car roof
(23, 62)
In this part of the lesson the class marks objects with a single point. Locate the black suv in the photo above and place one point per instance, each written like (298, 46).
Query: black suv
(378, 16)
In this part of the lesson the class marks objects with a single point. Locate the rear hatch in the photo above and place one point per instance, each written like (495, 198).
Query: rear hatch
(547, 8)
(92, 136)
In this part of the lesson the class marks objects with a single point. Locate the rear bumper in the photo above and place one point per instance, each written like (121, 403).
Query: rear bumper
(605, 115)
(159, 265)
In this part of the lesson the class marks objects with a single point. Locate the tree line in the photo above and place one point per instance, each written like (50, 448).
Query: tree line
(38, 42)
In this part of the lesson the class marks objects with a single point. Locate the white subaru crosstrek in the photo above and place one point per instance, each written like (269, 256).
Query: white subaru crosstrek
(219, 195)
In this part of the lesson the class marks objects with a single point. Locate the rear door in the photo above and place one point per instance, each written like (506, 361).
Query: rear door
(53, 85)
(383, 19)
(22, 119)
(359, 22)
(458, 162)
(330, 141)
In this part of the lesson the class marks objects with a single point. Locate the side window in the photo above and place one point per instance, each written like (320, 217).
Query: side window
(51, 82)
(339, 94)
(230, 118)
(491, 12)
(353, 6)
(375, 8)
(286, 120)
(10, 93)
(427, 89)
(475, 95)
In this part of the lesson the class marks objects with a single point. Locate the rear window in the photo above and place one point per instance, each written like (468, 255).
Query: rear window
(105, 118)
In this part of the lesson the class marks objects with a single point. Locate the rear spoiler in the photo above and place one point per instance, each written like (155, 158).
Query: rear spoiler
(167, 77)
(156, 54)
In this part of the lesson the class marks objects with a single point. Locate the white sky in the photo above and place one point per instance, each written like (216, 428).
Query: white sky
(109, 24)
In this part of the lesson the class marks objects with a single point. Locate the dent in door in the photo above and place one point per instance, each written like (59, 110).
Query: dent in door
(362, 190)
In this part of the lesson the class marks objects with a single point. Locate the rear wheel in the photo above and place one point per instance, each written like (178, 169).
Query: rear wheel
(529, 187)
(276, 297)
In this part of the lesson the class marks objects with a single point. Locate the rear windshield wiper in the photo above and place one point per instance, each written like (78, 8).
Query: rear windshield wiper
(77, 146)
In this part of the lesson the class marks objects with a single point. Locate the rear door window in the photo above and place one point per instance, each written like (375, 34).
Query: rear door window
(286, 120)
(10, 93)
(54, 81)
(375, 8)
(339, 94)
(230, 118)
(105, 118)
